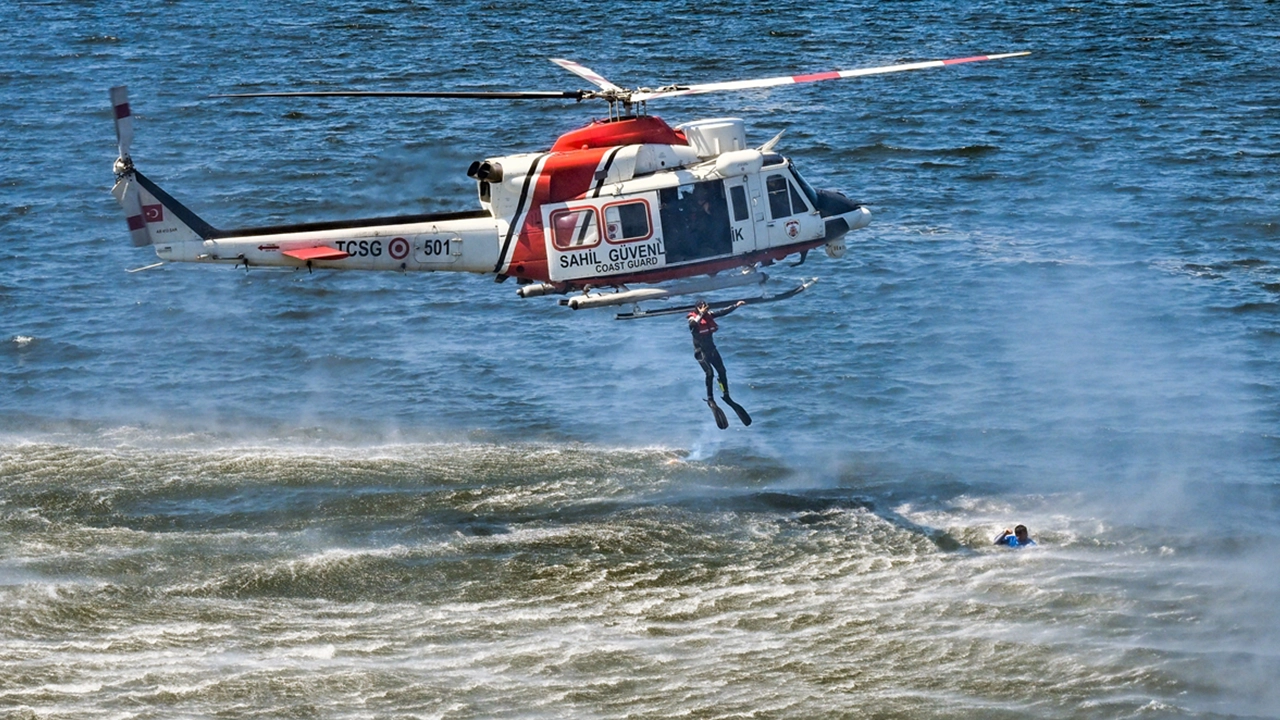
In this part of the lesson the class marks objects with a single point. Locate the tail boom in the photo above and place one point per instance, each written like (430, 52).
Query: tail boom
(461, 241)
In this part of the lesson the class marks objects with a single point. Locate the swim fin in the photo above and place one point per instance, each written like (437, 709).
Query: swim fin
(742, 412)
(722, 422)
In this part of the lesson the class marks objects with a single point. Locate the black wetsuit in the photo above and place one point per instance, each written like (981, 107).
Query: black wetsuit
(704, 347)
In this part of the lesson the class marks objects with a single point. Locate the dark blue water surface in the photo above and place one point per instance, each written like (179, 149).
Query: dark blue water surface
(264, 494)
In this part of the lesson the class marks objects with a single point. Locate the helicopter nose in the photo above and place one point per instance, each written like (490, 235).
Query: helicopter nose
(841, 214)
(832, 203)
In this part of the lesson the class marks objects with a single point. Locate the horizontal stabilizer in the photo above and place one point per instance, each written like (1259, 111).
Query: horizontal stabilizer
(317, 253)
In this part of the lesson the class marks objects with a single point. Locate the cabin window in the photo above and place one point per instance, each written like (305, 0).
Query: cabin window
(741, 211)
(575, 228)
(625, 222)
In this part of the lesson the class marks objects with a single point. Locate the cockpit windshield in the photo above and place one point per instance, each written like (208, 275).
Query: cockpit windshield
(805, 187)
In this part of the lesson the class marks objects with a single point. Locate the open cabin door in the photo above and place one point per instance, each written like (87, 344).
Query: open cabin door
(695, 222)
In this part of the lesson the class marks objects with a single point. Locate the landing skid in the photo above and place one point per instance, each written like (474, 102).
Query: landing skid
(682, 309)
(695, 286)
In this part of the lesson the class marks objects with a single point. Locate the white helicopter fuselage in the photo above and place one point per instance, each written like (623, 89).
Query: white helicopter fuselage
(589, 213)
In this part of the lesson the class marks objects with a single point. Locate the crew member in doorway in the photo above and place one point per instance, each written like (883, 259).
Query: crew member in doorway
(702, 325)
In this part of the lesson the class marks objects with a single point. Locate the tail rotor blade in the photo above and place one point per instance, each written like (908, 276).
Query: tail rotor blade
(124, 119)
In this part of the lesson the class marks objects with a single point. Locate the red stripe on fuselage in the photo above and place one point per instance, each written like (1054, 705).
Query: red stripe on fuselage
(957, 61)
(122, 111)
(564, 176)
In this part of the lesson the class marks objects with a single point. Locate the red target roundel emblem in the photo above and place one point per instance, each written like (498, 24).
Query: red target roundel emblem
(399, 248)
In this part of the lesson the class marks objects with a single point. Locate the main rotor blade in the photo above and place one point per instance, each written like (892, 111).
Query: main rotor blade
(673, 91)
(479, 95)
(587, 74)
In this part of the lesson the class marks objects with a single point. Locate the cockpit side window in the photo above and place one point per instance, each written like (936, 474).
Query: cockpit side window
(784, 198)
(797, 202)
(779, 200)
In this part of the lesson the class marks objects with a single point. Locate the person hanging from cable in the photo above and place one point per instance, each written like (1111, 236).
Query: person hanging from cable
(702, 325)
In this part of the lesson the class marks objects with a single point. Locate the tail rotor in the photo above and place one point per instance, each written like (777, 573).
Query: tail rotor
(125, 190)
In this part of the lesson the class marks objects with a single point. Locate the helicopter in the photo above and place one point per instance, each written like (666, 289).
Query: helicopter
(624, 210)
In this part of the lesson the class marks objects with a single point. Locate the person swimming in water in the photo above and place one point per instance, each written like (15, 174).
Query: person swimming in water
(1017, 537)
